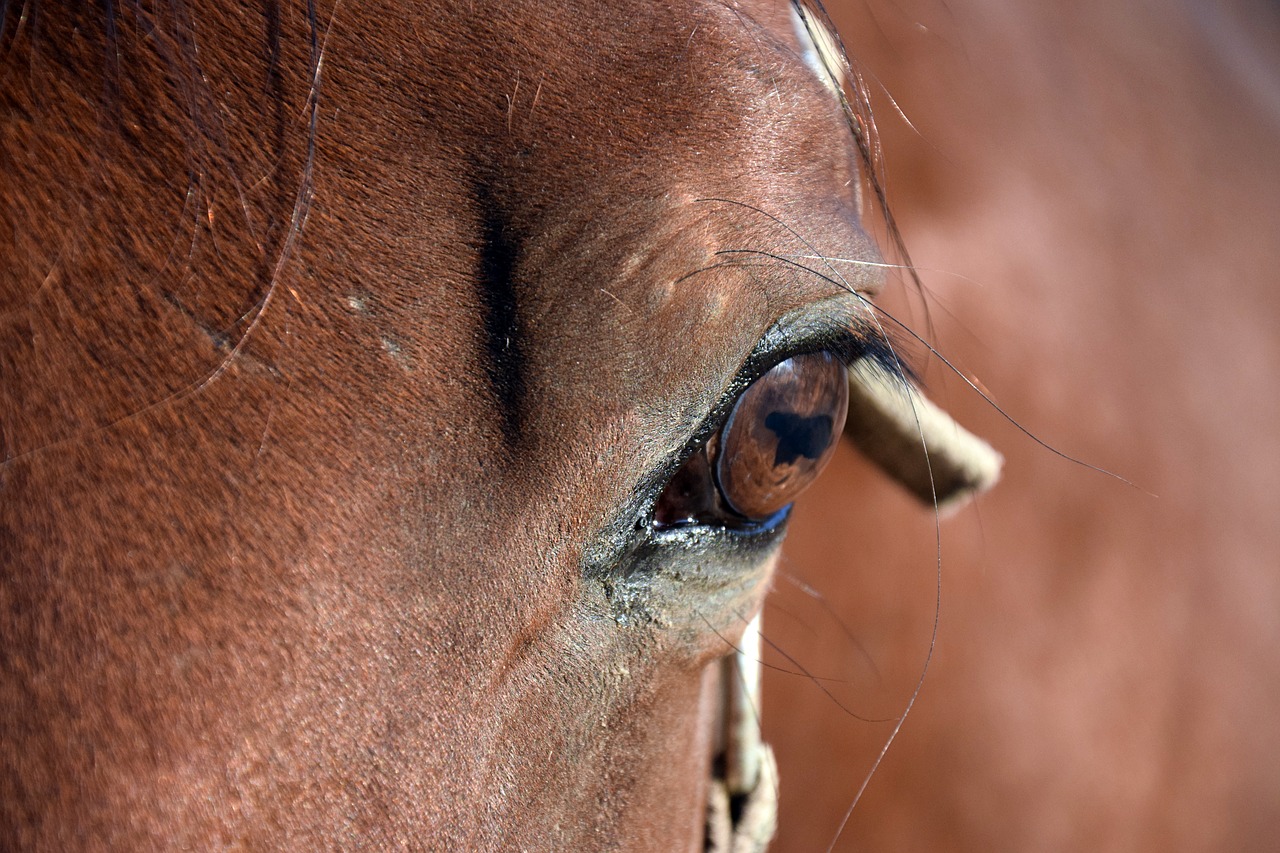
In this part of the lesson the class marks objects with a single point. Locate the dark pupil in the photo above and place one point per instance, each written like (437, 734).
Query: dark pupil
(780, 435)
(799, 436)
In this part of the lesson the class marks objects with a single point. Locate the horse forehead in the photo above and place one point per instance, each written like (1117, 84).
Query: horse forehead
(626, 95)
(696, 172)
(617, 151)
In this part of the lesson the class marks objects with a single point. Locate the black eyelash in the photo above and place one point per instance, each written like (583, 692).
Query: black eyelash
(849, 339)
(848, 343)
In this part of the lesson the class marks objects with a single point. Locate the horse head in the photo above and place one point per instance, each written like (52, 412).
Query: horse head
(402, 408)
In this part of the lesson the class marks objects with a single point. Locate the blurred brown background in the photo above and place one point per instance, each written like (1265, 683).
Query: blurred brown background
(1092, 194)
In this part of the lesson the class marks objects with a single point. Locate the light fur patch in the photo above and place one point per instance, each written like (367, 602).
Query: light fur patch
(821, 48)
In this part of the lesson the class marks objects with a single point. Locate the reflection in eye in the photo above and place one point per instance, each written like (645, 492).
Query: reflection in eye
(778, 438)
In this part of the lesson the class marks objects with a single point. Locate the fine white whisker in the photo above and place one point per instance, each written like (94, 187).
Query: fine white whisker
(885, 265)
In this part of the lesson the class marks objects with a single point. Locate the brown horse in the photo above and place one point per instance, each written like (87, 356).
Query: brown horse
(401, 407)
(1090, 192)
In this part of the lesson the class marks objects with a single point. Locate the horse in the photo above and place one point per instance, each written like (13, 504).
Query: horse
(402, 406)
(1088, 193)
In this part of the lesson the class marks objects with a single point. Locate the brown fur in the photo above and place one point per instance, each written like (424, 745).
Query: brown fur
(278, 569)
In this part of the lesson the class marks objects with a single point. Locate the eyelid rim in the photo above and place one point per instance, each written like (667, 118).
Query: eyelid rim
(842, 325)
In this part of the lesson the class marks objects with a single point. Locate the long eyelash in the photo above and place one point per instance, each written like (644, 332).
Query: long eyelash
(875, 345)
(895, 364)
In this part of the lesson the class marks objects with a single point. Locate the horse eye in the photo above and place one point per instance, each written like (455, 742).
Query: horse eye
(778, 438)
(781, 433)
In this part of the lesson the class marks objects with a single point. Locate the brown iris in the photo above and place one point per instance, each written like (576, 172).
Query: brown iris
(778, 438)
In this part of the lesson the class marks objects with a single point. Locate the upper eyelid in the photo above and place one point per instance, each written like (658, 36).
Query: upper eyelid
(845, 329)
(846, 339)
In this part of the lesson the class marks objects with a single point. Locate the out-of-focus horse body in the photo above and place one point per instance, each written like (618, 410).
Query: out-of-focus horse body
(1090, 192)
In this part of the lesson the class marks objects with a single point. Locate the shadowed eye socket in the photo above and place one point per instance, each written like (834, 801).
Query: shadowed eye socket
(779, 436)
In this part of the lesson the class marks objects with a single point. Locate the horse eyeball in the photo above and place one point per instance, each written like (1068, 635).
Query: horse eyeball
(781, 434)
